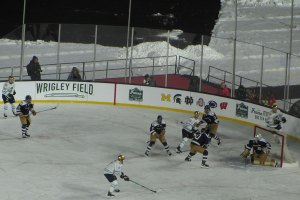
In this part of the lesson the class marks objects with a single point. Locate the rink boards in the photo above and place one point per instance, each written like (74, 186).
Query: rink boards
(150, 97)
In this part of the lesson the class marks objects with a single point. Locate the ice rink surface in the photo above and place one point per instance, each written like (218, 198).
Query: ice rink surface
(69, 147)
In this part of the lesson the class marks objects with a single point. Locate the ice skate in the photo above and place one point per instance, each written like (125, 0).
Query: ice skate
(109, 194)
(188, 159)
(204, 165)
(178, 150)
(25, 135)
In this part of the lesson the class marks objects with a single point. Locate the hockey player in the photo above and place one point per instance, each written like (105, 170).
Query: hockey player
(261, 149)
(199, 144)
(111, 171)
(188, 129)
(24, 109)
(275, 118)
(157, 131)
(8, 93)
(212, 122)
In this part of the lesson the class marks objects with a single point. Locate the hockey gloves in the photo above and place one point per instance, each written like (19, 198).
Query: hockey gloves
(125, 177)
(33, 112)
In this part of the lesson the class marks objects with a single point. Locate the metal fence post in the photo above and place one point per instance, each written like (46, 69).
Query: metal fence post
(58, 51)
(261, 73)
(201, 64)
(95, 52)
(131, 52)
(167, 71)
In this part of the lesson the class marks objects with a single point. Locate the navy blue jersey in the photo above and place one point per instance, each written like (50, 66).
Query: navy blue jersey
(201, 138)
(210, 118)
(259, 145)
(24, 107)
(157, 127)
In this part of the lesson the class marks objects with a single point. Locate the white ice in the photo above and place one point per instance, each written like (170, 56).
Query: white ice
(69, 147)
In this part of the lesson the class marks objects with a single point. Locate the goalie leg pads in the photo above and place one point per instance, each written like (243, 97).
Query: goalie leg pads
(245, 153)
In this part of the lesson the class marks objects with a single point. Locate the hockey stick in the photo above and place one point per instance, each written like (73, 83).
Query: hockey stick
(48, 109)
(142, 186)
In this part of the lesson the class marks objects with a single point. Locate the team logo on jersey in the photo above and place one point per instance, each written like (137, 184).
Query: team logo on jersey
(136, 95)
(188, 100)
(200, 102)
(212, 104)
(241, 110)
(165, 97)
(223, 105)
(177, 98)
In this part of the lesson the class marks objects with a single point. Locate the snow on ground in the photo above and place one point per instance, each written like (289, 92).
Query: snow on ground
(69, 148)
(261, 22)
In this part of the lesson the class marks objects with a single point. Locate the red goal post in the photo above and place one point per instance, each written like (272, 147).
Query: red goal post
(277, 139)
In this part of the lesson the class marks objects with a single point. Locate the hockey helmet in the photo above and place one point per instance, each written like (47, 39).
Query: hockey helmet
(11, 79)
(121, 158)
(258, 136)
(28, 97)
(196, 114)
(206, 108)
(159, 118)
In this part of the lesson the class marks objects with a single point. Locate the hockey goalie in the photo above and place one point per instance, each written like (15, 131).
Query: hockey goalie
(261, 150)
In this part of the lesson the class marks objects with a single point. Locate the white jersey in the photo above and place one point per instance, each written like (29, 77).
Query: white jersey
(114, 168)
(189, 124)
(274, 118)
(8, 88)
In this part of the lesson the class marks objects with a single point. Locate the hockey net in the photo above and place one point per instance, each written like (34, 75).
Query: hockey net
(277, 139)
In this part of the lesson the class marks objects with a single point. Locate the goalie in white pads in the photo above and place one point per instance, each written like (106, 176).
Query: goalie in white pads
(188, 129)
(275, 118)
(8, 93)
(261, 149)
(157, 131)
(199, 144)
(111, 171)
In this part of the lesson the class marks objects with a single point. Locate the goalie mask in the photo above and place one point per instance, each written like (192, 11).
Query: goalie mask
(121, 158)
(258, 136)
